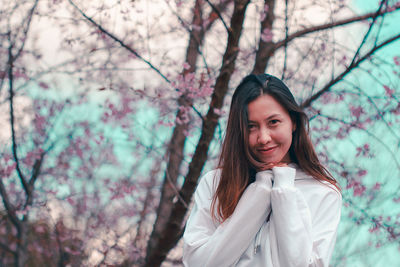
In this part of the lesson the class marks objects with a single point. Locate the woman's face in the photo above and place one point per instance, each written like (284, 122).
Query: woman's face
(270, 130)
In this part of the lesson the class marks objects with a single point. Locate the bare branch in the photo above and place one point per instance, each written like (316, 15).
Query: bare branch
(368, 32)
(26, 30)
(333, 25)
(286, 38)
(355, 64)
(9, 207)
(116, 39)
(373, 219)
(355, 125)
(7, 249)
(12, 118)
(216, 10)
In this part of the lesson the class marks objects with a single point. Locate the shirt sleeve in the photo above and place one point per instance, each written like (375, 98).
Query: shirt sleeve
(303, 240)
(207, 243)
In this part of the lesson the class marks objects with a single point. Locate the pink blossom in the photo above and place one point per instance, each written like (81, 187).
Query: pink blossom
(40, 229)
(358, 190)
(8, 170)
(266, 35)
(167, 124)
(178, 3)
(356, 111)
(44, 85)
(40, 122)
(377, 186)
(72, 251)
(7, 157)
(396, 59)
(19, 74)
(183, 116)
(363, 150)
(196, 27)
(374, 229)
(71, 201)
(343, 60)
(186, 66)
(218, 111)
(362, 173)
(206, 22)
(117, 196)
(396, 111)
(389, 92)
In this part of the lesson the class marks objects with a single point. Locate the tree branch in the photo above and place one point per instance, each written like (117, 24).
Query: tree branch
(265, 48)
(9, 207)
(329, 118)
(119, 41)
(355, 64)
(12, 118)
(286, 38)
(164, 238)
(332, 25)
(216, 10)
(25, 31)
(7, 249)
(368, 32)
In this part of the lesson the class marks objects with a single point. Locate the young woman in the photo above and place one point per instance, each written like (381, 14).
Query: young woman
(270, 202)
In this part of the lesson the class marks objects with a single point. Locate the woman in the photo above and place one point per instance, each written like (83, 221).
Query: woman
(270, 202)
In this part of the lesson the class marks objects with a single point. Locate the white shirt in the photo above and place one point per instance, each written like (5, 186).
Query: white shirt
(301, 230)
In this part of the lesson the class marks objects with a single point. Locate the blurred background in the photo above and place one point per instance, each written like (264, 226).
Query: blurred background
(110, 112)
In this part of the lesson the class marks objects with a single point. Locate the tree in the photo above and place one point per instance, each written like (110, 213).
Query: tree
(145, 65)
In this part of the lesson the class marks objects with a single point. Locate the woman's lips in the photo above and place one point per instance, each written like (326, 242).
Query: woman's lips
(267, 150)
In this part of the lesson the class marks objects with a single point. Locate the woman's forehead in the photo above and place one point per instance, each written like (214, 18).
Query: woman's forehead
(265, 106)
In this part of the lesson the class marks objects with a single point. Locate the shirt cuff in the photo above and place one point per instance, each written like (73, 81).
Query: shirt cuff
(264, 177)
(284, 176)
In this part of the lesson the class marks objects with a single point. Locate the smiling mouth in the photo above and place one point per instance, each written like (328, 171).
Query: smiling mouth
(266, 150)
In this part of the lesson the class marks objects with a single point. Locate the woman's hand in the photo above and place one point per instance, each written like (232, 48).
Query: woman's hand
(269, 166)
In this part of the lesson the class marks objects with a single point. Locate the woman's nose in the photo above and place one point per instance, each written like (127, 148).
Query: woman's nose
(264, 136)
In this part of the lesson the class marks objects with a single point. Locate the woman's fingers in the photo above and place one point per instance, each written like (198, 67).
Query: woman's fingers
(270, 165)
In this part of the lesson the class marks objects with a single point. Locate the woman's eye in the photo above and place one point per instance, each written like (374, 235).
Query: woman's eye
(251, 126)
(273, 122)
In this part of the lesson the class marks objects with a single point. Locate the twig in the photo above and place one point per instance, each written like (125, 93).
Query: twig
(219, 15)
(12, 118)
(331, 25)
(368, 32)
(116, 39)
(327, 87)
(286, 37)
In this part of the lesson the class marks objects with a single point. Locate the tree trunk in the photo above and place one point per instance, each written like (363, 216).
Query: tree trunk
(171, 231)
(265, 48)
(20, 257)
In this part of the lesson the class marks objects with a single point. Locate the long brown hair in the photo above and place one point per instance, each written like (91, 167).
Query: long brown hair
(238, 166)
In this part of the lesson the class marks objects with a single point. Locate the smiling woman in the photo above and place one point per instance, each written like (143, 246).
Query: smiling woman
(271, 202)
(270, 130)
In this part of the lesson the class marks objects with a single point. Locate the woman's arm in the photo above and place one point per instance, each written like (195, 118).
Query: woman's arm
(301, 239)
(212, 245)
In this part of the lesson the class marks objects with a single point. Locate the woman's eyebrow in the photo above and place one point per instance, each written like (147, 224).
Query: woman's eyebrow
(269, 117)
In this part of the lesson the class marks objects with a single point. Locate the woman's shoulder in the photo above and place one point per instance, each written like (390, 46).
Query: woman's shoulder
(319, 195)
(210, 180)
(316, 187)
